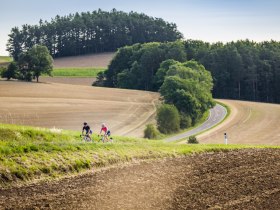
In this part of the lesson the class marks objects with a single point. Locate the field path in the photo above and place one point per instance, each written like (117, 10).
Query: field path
(248, 123)
(126, 112)
(240, 179)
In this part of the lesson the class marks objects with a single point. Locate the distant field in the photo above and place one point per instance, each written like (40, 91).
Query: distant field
(84, 81)
(248, 123)
(93, 60)
(5, 59)
(77, 72)
(126, 112)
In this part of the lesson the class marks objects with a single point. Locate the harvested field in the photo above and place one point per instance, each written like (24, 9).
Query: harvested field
(126, 112)
(239, 179)
(249, 123)
(92, 60)
(85, 81)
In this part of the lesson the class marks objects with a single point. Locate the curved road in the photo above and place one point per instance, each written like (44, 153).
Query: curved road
(217, 114)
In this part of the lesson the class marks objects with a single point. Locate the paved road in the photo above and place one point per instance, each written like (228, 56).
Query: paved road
(217, 114)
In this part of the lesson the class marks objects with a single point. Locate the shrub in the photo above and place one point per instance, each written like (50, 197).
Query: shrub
(168, 119)
(10, 72)
(151, 132)
(192, 140)
(186, 121)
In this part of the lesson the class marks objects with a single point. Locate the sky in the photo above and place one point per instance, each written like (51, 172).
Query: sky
(207, 20)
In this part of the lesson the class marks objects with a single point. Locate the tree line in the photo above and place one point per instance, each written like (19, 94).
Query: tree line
(30, 65)
(91, 32)
(243, 70)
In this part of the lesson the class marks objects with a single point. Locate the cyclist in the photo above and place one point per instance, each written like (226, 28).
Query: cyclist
(107, 132)
(87, 130)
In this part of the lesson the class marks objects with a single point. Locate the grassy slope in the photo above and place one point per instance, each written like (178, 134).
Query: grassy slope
(77, 72)
(28, 153)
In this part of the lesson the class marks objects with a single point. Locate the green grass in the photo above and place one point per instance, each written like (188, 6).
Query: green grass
(28, 153)
(5, 59)
(76, 72)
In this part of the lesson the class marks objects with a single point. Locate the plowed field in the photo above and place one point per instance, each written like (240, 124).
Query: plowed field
(241, 179)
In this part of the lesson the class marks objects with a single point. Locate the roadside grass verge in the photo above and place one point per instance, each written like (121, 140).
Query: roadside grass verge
(76, 72)
(28, 154)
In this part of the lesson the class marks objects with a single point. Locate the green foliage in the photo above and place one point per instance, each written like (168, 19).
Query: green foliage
(91, 32)
(77, 72)
(151, 132)
(168, 119)
(192, 140)
(10, 72)
(99, 79)
(188, 86)
(161, 72)
(31, 64)
(185, 121)
(243, 70)
(135, 67)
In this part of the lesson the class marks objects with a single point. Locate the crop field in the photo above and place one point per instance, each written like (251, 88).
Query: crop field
(100, 60)
(126, 112)
(77, 72)
(248, 123)
(84, 81)
(4, 60)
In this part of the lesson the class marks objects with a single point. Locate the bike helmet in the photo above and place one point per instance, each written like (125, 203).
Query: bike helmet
(85, 123)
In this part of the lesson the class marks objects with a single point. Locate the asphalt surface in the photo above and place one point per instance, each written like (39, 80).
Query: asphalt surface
(217, 114)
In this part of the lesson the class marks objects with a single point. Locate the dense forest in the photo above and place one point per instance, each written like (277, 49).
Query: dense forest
(91, 32)
(243, 70)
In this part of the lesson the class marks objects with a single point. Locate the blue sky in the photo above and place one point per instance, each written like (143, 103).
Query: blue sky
(208, 20)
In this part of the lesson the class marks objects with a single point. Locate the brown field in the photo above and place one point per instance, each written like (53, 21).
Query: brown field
(126, 112)
(240, 179)
(92, 60)
(249, 123)
(85, 81)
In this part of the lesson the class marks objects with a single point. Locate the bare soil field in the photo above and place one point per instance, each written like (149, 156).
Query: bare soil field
(92, 60)
(126, 112)
(249, 123)
(85, 81)
(240, 179)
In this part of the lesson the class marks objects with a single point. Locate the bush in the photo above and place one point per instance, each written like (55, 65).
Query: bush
(186, 121)
(168, 119)
(99, 79)
(151, 132)
(192, 140)
(10, 72)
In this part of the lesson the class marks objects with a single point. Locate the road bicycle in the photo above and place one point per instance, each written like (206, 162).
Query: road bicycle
(86, 138)
(104, 140)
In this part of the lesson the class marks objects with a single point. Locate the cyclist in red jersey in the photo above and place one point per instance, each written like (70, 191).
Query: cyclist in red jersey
(106, 131)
